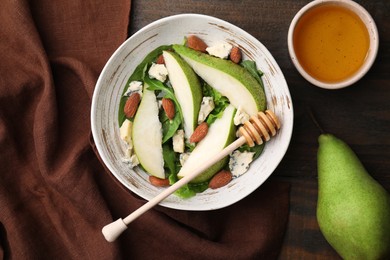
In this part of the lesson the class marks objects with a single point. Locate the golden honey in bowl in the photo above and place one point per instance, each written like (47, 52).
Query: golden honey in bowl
(331, 42)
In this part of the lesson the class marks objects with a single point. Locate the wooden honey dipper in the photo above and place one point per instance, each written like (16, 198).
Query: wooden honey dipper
(258, 128)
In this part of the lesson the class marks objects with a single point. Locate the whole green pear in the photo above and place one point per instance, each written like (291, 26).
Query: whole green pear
(353, 210)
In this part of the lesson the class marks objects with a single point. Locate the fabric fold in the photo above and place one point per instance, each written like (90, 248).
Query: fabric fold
(52, 53)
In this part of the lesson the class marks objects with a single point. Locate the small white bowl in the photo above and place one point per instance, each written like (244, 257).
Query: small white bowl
(170, 30)
(372, 51)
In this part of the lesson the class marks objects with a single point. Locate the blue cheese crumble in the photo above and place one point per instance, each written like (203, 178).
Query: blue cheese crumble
(220, 50)
(158, 71)
(178, 141)
(240, 117)
(132, 161)
(206, 107)
(183, 158)
(134, 87)
(125, 133)
(239, 162)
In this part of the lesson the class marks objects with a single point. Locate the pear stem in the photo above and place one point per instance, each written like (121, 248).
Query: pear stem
(314, 120)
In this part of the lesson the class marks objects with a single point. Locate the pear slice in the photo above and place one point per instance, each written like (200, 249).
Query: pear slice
(187, 88)
(147, 135)
(220, 134)
(230, 79)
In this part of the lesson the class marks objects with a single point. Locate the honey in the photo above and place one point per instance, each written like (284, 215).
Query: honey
(331, 43)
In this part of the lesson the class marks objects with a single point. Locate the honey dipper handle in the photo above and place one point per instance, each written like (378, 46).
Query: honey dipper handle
(259, 127)
(113, 230)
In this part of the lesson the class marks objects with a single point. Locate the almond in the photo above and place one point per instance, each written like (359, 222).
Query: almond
(169, 108)
(199, 133)
(155, 181)
(160, 59)
(131, 105)
(220, 179)
(235, 55)
(196, 43)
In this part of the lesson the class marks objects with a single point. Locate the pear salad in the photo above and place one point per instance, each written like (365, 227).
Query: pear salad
(183, 104)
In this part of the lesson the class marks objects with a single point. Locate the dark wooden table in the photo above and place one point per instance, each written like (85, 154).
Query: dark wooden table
(360, 114)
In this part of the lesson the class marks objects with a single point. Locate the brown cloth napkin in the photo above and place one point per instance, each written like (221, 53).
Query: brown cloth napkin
(55, 194)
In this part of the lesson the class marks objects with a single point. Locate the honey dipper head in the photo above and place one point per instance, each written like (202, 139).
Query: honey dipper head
(260, 127)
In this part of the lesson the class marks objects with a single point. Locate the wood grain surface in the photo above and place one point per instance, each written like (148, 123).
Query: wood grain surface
(360, 114)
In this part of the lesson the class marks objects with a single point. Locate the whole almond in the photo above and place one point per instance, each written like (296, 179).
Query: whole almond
(196, 43)
(199, 133)
(160, 59)
(220, 179)
(131, 105)
(235, 55)
(155, 181)
(169, 108)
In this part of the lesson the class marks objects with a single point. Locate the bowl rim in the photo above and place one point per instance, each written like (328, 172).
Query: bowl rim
(94, 108)
(372, 51)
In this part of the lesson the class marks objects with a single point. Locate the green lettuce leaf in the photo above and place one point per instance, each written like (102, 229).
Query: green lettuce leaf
(220, 103)
(170, 158)
(138, 75)
(251, 67)
(169, 126)
(257, 149)
(189, 190)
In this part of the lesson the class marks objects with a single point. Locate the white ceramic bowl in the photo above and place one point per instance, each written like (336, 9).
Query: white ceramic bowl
(109, 87)
(371, 54)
